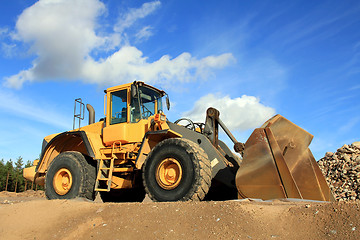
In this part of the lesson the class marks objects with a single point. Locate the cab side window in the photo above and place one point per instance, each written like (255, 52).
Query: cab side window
(119, 107)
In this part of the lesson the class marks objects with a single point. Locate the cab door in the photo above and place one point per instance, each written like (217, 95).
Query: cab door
(123, 121)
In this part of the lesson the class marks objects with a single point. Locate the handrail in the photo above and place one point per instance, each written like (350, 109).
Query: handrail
(81, 108)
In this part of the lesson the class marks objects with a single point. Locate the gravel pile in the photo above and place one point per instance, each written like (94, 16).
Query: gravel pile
(342, 172)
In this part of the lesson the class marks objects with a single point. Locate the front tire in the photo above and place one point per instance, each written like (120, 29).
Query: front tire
(69, 176)
(177, 170)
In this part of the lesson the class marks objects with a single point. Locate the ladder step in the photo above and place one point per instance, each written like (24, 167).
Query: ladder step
(124, 169)
(105, 172)
(104, 179)
(101, 189)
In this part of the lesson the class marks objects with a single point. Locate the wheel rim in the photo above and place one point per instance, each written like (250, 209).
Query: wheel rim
(62, 181)
(169, 173)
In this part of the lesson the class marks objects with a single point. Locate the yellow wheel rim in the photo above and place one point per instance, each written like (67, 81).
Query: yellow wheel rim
(62, 181)
(169, 173)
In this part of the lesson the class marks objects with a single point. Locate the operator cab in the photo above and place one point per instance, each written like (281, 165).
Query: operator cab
(128, 108)
(145, 102)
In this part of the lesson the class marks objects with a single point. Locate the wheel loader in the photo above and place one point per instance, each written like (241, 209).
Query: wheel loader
(135, 150)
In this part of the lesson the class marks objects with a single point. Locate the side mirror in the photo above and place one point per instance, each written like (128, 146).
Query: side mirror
(167, 102)
(133, 91)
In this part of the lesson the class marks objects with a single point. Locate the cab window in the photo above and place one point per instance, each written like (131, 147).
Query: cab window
(119, 107)
(149, 98)
(145, 104)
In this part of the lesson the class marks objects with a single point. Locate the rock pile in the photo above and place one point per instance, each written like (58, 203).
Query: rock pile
(342, 172)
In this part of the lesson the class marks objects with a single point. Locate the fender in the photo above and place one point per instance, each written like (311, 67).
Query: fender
(150, 140)
(64, 142)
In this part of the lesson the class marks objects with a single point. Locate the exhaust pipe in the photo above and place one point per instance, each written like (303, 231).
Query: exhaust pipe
(91, 113)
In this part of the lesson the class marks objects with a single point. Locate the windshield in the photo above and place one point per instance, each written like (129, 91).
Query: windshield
(150, 103)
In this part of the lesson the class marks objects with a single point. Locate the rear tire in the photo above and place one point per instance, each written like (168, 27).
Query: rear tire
(69, 176)
(177, 170)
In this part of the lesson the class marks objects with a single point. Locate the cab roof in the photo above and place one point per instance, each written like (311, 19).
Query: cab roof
(128, 85)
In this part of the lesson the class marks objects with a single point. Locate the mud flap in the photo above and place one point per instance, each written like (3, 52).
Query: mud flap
(277, 163)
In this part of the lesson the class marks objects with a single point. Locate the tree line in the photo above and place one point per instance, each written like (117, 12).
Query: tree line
(11, 176)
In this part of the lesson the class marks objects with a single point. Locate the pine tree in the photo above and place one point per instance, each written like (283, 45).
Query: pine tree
(18, 178)
(2, 175)
(9, 172)
(11, 177)
(27, 183)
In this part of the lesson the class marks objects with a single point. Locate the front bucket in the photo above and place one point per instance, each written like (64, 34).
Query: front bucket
(277, 163)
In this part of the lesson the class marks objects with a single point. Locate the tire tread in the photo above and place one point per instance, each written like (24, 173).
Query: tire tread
(201, 164)
(86, 190)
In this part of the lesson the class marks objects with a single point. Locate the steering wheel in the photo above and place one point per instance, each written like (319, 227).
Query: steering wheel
(146, 112)
(190, 126)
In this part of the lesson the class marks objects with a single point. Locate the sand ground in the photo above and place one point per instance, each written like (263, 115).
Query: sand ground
(29, 215)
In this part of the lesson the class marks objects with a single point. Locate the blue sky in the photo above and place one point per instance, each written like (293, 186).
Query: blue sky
(250, 59)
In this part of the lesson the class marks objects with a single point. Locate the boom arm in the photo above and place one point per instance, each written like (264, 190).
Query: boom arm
(211, 130)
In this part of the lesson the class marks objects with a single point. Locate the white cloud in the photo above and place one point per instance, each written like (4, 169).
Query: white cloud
(16, 81)
(62, 35)
(26, 109)
(242, 113)
(3, 31)
(128, 63)
(8, 49)
(136, 13)
(144, 33)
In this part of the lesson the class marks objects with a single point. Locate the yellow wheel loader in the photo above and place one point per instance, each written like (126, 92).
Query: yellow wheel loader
(134, 150)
